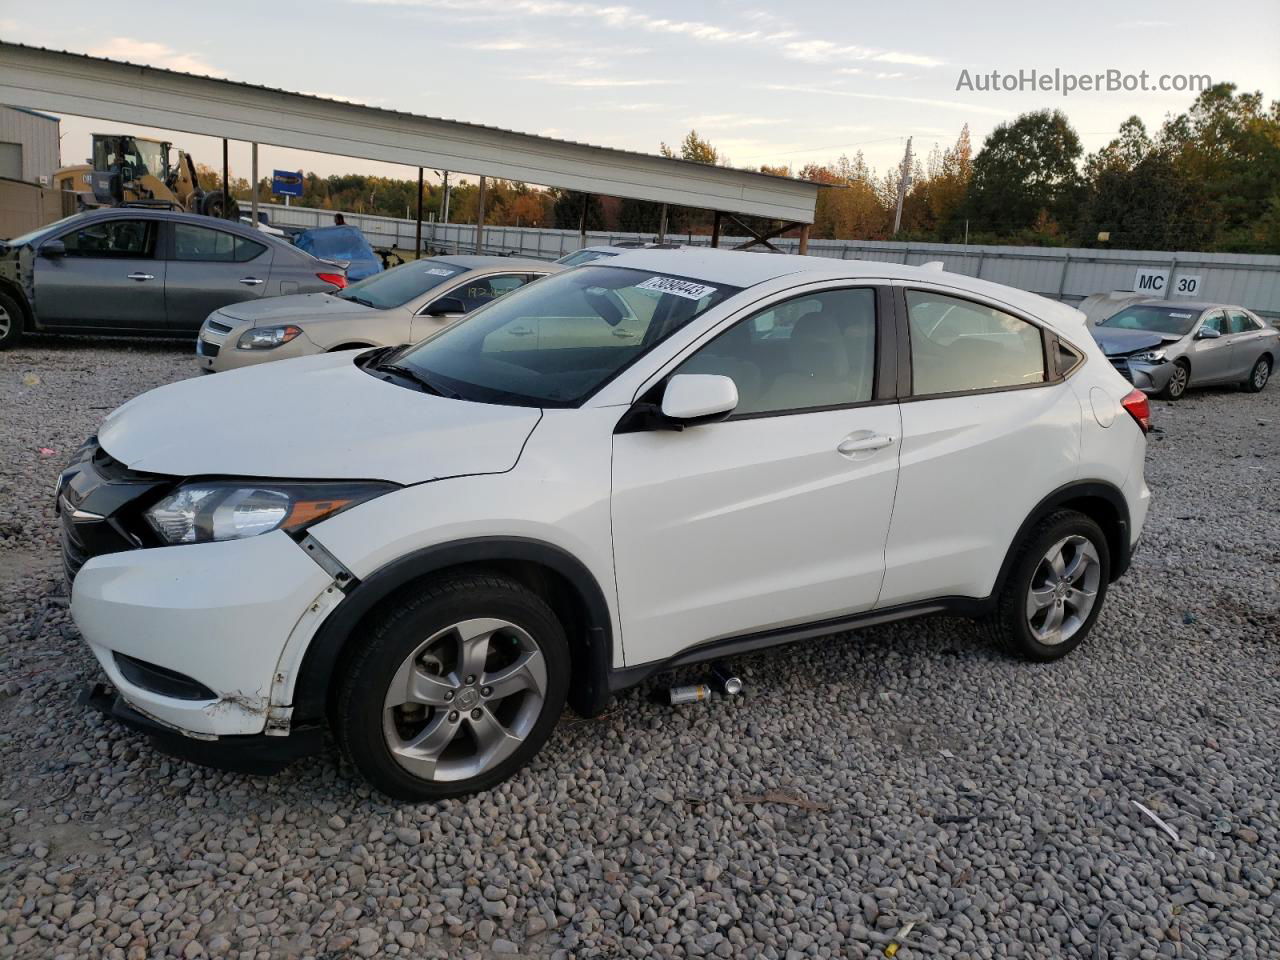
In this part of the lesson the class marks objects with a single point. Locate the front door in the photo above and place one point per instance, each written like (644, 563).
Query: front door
(1211, 358)
(776, 516)
(110, 276)
(209, 269)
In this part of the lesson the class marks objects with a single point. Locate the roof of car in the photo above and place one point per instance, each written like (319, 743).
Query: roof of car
(486, 262)
(739, 268)
(1184, 304)
(100, 213)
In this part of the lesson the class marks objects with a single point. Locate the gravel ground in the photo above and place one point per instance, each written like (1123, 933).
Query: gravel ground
(905, 773)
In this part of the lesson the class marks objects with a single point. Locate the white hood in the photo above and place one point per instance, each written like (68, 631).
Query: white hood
(313, 418)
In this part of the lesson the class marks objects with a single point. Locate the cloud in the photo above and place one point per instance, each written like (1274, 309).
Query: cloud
(723, 121)
(825, 51)
(563, 80)
(764, 28)
(922, 101)
(150, 54)
(907, 59)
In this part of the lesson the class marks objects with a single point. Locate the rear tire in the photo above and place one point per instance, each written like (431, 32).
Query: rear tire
(1258, 376)
(1179, 380)
(455, 687)
(1045, 588)
(11, 321)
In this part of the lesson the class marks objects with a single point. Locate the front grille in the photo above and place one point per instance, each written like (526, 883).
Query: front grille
(99, 506)
(206, 349)
(217, 327)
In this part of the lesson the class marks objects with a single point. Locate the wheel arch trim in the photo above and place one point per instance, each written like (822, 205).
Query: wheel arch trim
(589, 692)
(1119, 548)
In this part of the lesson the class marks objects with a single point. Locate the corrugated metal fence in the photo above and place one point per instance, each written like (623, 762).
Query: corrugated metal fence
(1069, 274)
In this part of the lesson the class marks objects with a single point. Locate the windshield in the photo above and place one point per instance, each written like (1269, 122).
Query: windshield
(584, 256)
(1170, 320)
(39, 231)
(557, 341)
(401, 284)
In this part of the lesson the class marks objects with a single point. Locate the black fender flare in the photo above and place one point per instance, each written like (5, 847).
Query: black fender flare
(593, 655)
(1117, 536)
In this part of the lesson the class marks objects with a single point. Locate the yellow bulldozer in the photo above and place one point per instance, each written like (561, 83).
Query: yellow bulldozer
(125, 169)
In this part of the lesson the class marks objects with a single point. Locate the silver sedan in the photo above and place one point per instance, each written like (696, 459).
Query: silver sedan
(1164, 347)
(402, 305)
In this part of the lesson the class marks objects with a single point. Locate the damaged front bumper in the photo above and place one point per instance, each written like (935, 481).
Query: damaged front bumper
(257, 754)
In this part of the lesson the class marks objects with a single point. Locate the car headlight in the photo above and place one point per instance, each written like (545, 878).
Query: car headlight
(1149, 356)
(230, 510)
(264, 338)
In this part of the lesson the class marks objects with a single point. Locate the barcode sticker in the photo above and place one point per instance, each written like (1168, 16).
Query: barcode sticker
(440, 272)
(680, 288)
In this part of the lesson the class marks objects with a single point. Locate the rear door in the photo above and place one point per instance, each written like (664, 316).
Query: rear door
(987, 431)
(111, 277)
(208, 269)
(1246, 338)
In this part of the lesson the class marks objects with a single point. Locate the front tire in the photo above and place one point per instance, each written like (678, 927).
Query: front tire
(455, 687)
(1179, 380)
(1054, 590)
(11, 317)
(1258, 376)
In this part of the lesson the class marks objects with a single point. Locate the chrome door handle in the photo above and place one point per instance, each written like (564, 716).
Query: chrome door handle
(250, 281)
(856, 444)
(141, 276)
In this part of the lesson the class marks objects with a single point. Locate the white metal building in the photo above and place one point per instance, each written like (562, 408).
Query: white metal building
(28, 145)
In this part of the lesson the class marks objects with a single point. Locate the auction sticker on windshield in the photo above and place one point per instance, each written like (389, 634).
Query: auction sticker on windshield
(680, 288)
(440, 272)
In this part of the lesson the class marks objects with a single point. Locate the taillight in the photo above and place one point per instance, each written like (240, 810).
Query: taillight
(1135, 402)
(337, 279)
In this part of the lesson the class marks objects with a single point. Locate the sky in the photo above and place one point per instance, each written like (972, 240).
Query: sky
(766, 83)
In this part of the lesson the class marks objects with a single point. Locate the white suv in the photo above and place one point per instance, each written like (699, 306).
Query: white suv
(671, 456)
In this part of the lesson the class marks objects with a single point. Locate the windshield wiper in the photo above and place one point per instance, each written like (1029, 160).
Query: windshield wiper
(360, 300)
(408, 373)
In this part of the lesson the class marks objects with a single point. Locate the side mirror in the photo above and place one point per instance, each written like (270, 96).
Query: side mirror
(445, 306)
(1207, 333)
(53, 249)
(693, 398)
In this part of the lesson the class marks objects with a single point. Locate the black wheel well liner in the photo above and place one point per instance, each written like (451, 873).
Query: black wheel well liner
(1101, 501)
(559, 577)
(11, 289)
(349, 345)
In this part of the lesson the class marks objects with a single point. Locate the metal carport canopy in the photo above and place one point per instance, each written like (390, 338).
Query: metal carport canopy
(129, 93)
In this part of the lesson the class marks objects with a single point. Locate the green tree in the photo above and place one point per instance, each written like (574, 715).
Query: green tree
(1025, 173)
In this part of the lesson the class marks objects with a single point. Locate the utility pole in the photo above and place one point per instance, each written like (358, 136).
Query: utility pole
(480, 219)
(417, 239)
(226, 183)
(904, 181)
(444, 214)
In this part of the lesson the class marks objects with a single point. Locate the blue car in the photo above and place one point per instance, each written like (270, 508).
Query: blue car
(344, 243)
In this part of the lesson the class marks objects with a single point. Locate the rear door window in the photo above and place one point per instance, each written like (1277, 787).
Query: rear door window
(200, 243)
(958, 346)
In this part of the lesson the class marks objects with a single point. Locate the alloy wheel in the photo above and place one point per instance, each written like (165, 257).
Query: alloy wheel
(1261, 371)
(5, 323)
(1064, 588)
(1178, 380)
(464, 700)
